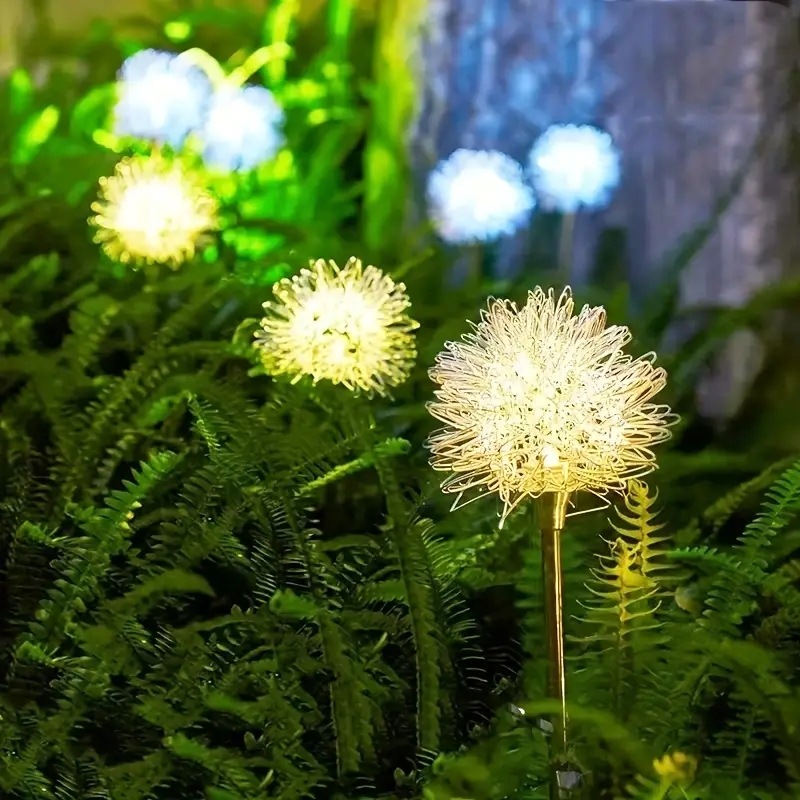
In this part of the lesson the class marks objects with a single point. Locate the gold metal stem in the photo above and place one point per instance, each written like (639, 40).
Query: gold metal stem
(553, 508)
(475, 267)
(566, 241)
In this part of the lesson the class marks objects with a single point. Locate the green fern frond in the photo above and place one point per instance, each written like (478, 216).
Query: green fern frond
(641, 529)
(89, 324)
(781, 506)
(629, 583)
(721, 510)
(734, 593)
(106, 533)
(706, 559)
(387, 449)
(132, 779)
(624, 616)
(117, 396)
(417, 580)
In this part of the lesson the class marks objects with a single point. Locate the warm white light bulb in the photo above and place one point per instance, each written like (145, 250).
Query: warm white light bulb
(152, 211)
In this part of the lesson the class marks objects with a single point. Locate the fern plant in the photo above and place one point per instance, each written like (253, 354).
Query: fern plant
(700, 671)
(216, 585)
(199, 595)
(682, 675)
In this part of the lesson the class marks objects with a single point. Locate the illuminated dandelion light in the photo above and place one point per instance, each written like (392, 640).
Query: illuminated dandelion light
(574, 166)
(161, 97)
(242, 128)
(538, 400)
(151, 211)
(345, 325)
(477, 196)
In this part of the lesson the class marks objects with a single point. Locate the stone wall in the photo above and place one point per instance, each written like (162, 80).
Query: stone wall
(692, 89)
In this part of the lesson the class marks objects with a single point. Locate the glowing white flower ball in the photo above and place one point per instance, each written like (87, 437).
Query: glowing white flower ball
(478, 195)
(161, 97)
(574, 166)
(242, 128)
(151, 211)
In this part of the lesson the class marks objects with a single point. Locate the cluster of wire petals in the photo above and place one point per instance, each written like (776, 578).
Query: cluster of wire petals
(152, 211)
(345, 325)
(242, 128)
(161, 97)
(537, 399)
(574, 167)
(478, 196)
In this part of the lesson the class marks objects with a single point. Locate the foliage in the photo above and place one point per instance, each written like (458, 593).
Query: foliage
(188, 614)
(670, 698)
(214, 584)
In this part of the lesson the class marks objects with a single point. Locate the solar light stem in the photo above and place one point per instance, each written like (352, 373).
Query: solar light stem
(475, 266)
(566, 241)
(553, 506)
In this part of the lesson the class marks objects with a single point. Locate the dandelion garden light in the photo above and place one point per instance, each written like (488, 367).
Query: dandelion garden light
(161, 97)
(573, 167)
(242, 128)
(345, 325)
(478, 196)
(152, 211)
(538, 402)
(167, 98)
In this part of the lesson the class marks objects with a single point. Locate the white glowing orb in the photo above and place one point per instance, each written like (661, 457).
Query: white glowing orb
(242, 129)
(573, 167)
(478, 195)
(151, 211)
(160, 97)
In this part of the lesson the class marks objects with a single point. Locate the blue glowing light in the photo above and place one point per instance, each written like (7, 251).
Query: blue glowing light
(242, 128)
(161, 97)
(574, 166)
(478, 195)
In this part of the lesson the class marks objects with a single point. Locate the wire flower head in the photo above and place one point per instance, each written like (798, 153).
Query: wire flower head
(574, 166)
(152, 211)
(242, 128)
(539, 400)
(161, 97)
(345, 325)
(478, 195)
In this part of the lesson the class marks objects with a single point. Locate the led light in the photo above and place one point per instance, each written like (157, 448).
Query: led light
(538, 400)
(151, 211)
(478, 195)
(574, 166)
(242, 128)
(345, 325)
(161, 97)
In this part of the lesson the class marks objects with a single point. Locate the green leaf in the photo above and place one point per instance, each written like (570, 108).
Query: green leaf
(35, 534)
(174, 581)
(288, 604)
(215, 793)
(251, 243)
(158, 411)
(91, 111)
(178, 30)
(20, 88)
(34, 133)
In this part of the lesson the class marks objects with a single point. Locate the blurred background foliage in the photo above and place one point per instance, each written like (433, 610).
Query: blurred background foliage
(198, 598)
